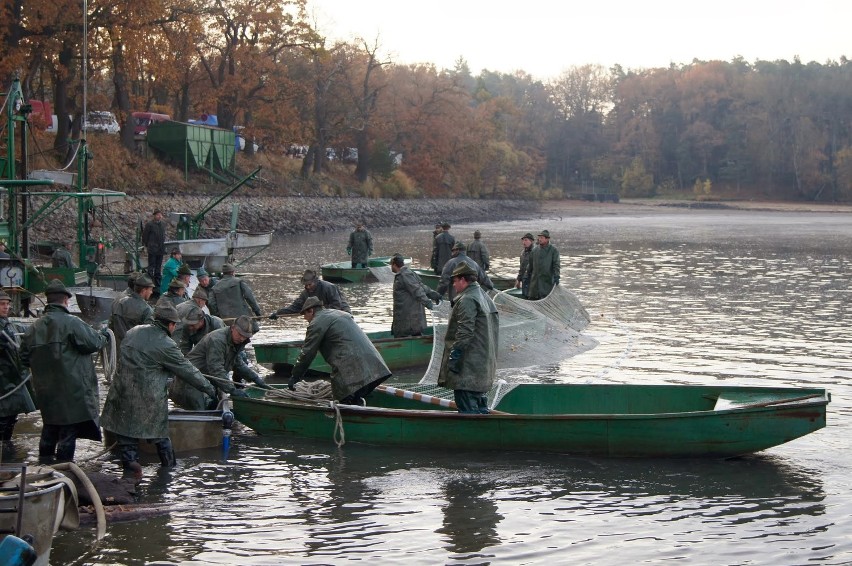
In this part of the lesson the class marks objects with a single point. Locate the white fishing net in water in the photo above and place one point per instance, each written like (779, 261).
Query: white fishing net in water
(532, 333)
(382, 274)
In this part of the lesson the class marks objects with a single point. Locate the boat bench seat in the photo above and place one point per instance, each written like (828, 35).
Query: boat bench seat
(736, 399)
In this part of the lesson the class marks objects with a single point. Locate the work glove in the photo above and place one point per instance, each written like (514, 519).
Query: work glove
(556, 281)
(291, 384)
(238, 393)
(273, 316)
(348, 251)
(431, 305)
(454, 363)
(260, 383)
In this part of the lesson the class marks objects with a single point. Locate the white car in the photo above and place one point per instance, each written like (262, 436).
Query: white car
(101, 121)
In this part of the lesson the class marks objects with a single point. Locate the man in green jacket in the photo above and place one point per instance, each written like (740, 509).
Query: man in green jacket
(329, 295)
(132, 309)
(356, 366)
(137, 405)
(154, 240)
(14, 388)
(58, 349)
(478, 251)
(522, 281)
(232, 297)
(543, 269)
(410, 298)
(469, 360)
(170, 269)
(360, 246)
(214, 356)
(195, 325)
(61, 256)
(176, 293)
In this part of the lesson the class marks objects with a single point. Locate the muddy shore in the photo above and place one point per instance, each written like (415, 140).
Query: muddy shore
(298, 215)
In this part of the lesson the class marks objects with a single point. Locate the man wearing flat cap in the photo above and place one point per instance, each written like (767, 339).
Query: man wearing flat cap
(522, 282)
(232, 297)
(460, 256)
(543, 269)
(356, 366)
(329, 295)
(214, 356)
(136, 406)
(469, 360)
(132, 309)
(442, 248)
(58, 349)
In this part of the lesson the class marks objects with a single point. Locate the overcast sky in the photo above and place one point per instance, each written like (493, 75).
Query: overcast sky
(545, 37)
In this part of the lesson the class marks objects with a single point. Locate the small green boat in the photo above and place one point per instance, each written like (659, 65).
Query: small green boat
(398, 353)
(501, 283)
(343, 272)
(598, 420)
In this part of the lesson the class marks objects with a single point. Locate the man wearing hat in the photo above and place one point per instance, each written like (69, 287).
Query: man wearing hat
(442, 248)
(58, 349)
(543, 269)
(199, 299)
(176, 293)
(360, 246)
(478, 251)
(469, 360)
(356, 366)
(137, 405)
(62, 256)
(154, 240)
(435, 233)
(15, 393)
(194, 326)
(170, 270)
(460, 256)
(132, 310)
(329, 295)
(410, 298)
(232, 297)
(204, 280)
(522, 282)
(214, 356)
(131, 281)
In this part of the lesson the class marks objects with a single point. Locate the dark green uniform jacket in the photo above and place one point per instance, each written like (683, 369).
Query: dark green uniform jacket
(474, 329)
(543, 271)
(445, 285)
(360, 246)
(154, 237)
(12, 373)
(232, 297)
(442, 250)
(478, 252)
(62, 258)
(328, 293)
(187, 340)
(58, 348)
(525, 263)
(127, 312)
(137, 404)
(410, 296)
(216, 354)
(354, 360)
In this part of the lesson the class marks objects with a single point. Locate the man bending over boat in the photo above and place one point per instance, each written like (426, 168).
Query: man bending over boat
(327, 293)
(137, 405)
(469, 361)
(356, 366)
(410, 298)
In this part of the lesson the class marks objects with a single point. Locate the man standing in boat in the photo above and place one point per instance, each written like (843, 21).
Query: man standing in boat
(469, 360)
(478, 251)
(58, 348)
(232, 296)
(356, 366)
(442, 248)
(132, 309)
(15, 393)
(61, 256)
(170, 270)
(523, 280)
(137, 405)
(329, 295)
(154, 240)
(215, 355)
(460, 256)
(410, 298)
(543, 269)
(360, 246)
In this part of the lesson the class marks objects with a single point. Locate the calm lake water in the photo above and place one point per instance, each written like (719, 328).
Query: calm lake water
(677, 296)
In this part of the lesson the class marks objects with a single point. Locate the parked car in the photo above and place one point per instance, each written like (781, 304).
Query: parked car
(142, 120)
(101, 121)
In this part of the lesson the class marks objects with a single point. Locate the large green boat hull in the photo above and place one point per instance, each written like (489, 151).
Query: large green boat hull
(343, 272)
(597, 420)
(398, 353)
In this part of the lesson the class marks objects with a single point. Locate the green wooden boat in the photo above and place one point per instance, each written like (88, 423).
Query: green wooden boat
(597, 420)
(343, 272)
(501, 283)
(398, 353)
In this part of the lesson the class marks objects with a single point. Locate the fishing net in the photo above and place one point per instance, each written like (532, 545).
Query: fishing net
(382, 274)
(532, 333)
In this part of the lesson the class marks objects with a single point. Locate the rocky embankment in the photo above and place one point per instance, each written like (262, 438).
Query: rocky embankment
(295, 215)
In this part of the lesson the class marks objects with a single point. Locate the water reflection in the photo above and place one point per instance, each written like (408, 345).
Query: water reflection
(470, 516)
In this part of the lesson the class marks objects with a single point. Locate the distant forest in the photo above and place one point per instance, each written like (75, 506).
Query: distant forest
(711, 129)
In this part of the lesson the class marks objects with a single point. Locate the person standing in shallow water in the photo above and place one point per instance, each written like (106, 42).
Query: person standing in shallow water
(360, 246)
